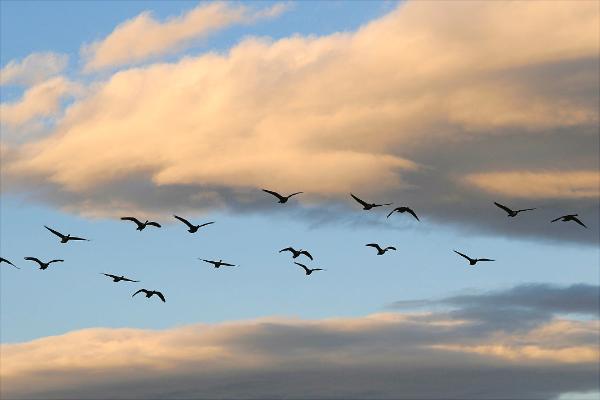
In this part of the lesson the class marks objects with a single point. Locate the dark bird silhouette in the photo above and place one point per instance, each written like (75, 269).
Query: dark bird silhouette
(64, 238)
(512, 213)
(296, 253)
(368, 206)
(570, 217)
(472, 261)
(380, 251)
(116, 278)
(150, 293)
(141, 225)
(218, 264)
(192, 228)
(307, 270)
(8, 262)
(42, 264)
(403, 210)
(282, 199)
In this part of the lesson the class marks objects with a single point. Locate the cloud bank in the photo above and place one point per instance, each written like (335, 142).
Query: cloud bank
(33, 69)
(452, 354)
(446, 105)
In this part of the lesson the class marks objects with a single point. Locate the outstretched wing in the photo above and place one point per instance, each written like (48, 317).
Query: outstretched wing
(525, 209)
(227, 264)
(556, 219)
(485, 259)
(140, 291)
(185, 221)
(306, 253)
(78, 238)
(293, 194)
(128, 280)
(8, 262)
(390, 248)
(302, 265)
(132, 219)
(110, 275)
(393, 211)
(159, 294)
(384, 204)
(287, 249)
(53, 261)
(579, 221)
(280, 197)
(57, 233)
(156, 224)
(207, 261)
(463, 255)
(37, 260)
(375, 245)
(317, 269)
(508, 210)
(207, 223)
(362, 202)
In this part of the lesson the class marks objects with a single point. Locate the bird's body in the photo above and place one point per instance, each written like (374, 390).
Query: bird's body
(64, 238)
(282, 199)
(43, 265)
(472, 261)
(307, 270)
(570, 217)
(191, 227)
(297, 253)
(150, 293)
(117, 278)
(511, 213)
(368, 206)
(8, 262)
(380, 251)
(141, 225)
(217, 264)
(402, 210)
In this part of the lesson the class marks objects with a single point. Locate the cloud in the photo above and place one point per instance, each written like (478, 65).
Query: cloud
(389, 355)
(33, 69)
(428, 96)
(143, 37)
(41, 100)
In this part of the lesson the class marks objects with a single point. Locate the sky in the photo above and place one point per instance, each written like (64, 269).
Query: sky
(150, 109)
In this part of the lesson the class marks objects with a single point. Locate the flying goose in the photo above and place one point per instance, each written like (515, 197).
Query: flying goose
(570, 217)
(296, 253)
(64, 238)
(307, 270)
(150, 293)
(192, 228)
(512, 213)
(472, 261)
(380, 251)
(117, 278)
(42, 264)
(368, 206)
(217, 264)
(282, 199)
(403, 210)
(141, 225)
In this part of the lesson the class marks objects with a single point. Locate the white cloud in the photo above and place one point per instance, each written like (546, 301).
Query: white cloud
(33, 69)
(144, 37)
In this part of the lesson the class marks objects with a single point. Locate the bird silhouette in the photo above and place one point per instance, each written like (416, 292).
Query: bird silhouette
(307, 270)
(64, 238)
(117, 278)
(150, 293)
(282, 199)
(368, 206)
(403, 210)
(141, 225)
(42, 264)
(191, 227)
(217, 264)
(512, 213)
(380, 251)
(570, 217)
(8, 262)
(296, 253)
(472, 261)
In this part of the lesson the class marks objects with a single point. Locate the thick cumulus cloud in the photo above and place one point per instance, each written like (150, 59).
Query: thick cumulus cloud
(143, 37)
(392, 355)
(446, 105)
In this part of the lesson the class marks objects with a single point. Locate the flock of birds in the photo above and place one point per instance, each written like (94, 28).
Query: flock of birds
(140, 226)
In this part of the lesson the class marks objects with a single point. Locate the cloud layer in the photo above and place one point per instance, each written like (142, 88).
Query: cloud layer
(33, 69)
(444, 105)
(143, 37)
(455, 354)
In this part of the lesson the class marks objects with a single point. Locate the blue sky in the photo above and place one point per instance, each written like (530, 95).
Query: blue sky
(394, 140)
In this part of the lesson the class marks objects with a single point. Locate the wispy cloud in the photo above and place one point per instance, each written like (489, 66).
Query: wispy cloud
(427, 355)
(143, 37)
(33, 69)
